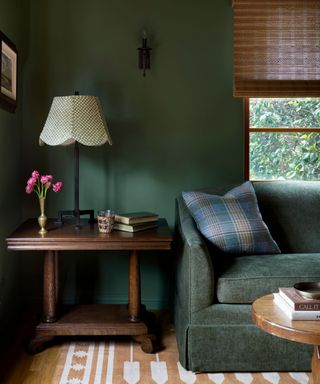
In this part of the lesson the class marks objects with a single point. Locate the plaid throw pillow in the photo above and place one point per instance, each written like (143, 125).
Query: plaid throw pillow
(232, 222)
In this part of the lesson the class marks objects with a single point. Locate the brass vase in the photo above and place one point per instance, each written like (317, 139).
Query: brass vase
(42, 219)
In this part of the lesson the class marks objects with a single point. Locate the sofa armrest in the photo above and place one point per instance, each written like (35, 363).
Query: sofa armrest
(194, 273)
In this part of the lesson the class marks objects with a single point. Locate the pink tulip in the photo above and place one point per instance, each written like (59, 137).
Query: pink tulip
(35, 174)
(29, 188)
(57, 186)
(44, 179)
(32, 181)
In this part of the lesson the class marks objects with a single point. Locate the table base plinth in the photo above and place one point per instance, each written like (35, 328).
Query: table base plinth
(94, 320)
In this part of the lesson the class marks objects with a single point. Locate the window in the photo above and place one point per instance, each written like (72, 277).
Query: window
(276, 55)
(283, 138)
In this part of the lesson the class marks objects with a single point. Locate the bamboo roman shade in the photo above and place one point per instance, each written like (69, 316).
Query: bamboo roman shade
(276, 48)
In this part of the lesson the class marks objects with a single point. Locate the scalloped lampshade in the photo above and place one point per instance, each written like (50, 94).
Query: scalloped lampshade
(75, 118)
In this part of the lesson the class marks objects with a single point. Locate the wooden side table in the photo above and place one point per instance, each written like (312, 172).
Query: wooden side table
(270, 318)
(86, 320)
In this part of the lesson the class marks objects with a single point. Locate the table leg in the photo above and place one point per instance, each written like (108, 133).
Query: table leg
(147, 340)
(316, 364)
(134, 306)
(49, 287)
(56, 275)
(50, 298)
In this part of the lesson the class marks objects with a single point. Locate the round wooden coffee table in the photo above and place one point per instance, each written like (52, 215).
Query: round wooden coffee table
(270, 318)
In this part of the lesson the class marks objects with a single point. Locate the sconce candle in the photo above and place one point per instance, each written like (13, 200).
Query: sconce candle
(144, 54)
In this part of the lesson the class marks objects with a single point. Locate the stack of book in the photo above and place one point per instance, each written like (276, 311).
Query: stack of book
(136, 221)
(295, 306)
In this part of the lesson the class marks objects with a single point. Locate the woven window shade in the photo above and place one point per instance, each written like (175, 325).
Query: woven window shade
(276, 48)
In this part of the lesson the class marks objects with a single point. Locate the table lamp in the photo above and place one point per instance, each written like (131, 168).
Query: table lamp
(73, 120)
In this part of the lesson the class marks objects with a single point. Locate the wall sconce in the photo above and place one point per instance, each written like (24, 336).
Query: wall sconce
(144, 54)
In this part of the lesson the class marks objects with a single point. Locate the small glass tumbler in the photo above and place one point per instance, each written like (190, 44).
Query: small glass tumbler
(105, 221)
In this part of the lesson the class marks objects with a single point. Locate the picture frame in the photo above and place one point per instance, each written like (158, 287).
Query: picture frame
(9, 70)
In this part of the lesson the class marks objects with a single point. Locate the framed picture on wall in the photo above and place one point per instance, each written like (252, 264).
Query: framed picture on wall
(8, 81)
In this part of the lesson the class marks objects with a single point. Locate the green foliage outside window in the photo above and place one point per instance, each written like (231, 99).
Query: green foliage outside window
(285, 113)
(285, 155)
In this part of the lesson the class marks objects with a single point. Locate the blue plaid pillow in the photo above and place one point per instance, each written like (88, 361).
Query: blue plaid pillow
(232, 222)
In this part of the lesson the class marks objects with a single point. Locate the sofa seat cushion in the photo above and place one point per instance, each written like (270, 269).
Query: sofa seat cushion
(246, 278)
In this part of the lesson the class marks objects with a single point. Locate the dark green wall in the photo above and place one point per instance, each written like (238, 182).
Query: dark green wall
(176, 129)
(10, 178)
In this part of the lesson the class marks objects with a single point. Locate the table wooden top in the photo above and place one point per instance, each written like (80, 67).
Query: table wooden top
(270, 318)
(66, 237)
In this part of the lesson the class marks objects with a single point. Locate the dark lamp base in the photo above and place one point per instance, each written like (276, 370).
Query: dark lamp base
(75, 214)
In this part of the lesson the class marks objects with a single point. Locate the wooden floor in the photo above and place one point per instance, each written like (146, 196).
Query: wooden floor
(26, 369)
(18, 367)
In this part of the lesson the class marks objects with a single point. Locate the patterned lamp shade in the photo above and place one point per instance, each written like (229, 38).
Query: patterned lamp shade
(75, 118)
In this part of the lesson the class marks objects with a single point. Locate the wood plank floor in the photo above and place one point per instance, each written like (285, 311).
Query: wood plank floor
(18, 367)
(26, 369)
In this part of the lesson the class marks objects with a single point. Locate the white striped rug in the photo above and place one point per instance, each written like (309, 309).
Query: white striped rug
(115, 361)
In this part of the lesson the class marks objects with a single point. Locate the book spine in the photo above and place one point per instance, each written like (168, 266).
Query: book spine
(305, 315)
(123, 220)
(123, 227)
(295, 315)
(135, 220)
(142, 220)
(306, 307)
(134, 228)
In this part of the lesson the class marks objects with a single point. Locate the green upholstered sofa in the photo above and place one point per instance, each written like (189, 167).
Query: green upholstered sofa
(214, 292)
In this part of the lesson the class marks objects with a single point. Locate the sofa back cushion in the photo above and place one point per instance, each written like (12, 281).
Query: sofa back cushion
(248, 277)
(291, 210)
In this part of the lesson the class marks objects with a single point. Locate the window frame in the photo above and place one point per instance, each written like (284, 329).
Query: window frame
(248, 130)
